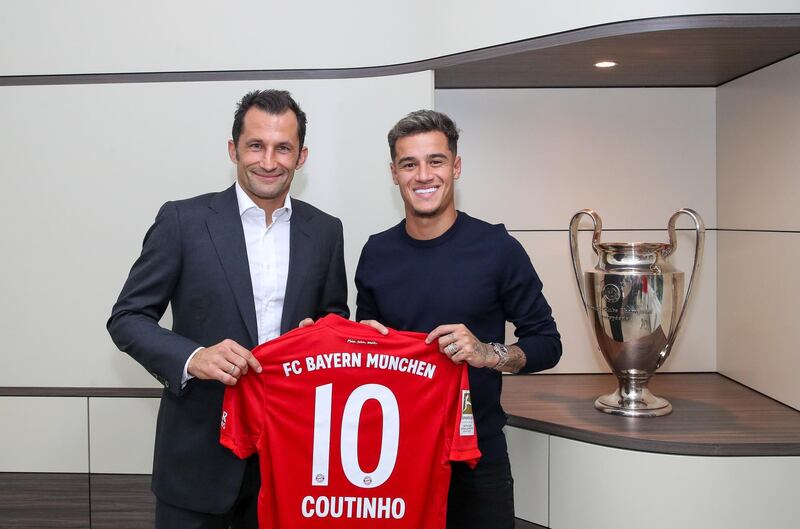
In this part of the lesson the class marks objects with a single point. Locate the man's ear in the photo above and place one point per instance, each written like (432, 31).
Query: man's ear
(302, 158)
(457, 168)
(232, 152)
(394, 173)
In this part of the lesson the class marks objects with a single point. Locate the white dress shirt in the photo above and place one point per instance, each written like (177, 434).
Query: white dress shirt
(268, 258)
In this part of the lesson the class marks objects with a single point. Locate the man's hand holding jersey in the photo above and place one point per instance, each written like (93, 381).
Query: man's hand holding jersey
(225, 361)
(460, 345)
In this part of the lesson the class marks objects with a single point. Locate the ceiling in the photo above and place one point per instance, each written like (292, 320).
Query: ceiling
(675, 51)
(692, 50)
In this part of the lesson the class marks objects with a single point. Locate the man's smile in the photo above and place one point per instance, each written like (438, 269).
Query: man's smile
(424, 191)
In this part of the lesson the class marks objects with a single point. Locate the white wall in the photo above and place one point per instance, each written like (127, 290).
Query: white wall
(532, 158)
(86, 167)
(44, 434)
(96, 36)
(758, 152)
(596, 486)
(567, 484)
(529, 454)
(122, 432)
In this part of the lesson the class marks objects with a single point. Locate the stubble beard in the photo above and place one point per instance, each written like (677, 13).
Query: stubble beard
(267, 192)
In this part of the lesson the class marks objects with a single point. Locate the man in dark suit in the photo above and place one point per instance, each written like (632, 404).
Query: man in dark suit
(238, 267)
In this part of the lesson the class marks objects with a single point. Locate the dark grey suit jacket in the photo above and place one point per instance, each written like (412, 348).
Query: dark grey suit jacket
(194, 257)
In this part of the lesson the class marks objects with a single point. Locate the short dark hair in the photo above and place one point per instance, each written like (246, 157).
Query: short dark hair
(424, 121)
(272, 102)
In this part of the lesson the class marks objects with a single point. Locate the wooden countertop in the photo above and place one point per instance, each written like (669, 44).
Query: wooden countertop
(712, 415)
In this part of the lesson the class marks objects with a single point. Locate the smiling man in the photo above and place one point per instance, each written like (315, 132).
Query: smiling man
(459, 279)
(238, 267)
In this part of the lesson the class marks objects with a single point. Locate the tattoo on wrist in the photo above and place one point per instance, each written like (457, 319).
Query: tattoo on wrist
(499, 359)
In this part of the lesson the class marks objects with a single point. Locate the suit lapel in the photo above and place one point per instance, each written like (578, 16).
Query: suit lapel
(301, 251)
(225, 229)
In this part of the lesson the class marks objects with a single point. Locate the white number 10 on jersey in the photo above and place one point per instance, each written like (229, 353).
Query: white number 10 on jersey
(349, 441)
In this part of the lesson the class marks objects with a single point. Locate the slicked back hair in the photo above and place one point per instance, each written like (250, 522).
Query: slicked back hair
(273, 102)
(424, 121)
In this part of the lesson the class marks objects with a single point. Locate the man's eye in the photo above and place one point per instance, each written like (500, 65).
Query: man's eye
(436, 163)
(284, 148)
(254, 146)
(407, 166)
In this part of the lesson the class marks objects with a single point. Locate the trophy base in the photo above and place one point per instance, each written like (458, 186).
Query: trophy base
(645, 404)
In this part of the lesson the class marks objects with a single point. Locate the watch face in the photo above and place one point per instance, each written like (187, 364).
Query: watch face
(501, 350)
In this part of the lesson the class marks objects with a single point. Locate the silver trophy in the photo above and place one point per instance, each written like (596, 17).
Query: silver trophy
(635, 304)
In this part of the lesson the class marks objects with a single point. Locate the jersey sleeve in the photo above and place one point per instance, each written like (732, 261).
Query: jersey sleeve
(464, 444)
(243, 415)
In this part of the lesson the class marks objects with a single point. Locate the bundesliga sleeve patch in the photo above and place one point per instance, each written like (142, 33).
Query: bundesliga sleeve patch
(467, 427)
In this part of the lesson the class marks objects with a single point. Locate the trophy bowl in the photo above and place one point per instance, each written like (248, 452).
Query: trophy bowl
(634, 298)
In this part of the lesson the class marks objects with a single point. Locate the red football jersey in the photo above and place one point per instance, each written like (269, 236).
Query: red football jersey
(353, 429)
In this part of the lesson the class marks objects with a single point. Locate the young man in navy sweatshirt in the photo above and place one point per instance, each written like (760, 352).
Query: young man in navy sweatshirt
(459, 279)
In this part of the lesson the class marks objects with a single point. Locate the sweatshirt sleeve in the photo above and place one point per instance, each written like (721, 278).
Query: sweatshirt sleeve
(525, 306)
(366, 307)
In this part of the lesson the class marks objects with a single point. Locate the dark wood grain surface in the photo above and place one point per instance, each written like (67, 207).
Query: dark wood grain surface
(79, 501)
(25, 391)
(44, 501)
(55, 501)
(712, 415)
(122, 502)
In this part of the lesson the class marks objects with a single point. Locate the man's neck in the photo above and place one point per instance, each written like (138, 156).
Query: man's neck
(270, 206)
(425, 228)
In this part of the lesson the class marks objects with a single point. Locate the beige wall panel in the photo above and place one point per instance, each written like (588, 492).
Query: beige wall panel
(757, 312)
(758, 134)
(122, 433)
(695, 347)
(53, 36)
(44, 434)
(86, 168)
(599, 487)
(532, 158)
(530, 461)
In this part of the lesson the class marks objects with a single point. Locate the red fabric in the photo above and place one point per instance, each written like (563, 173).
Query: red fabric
(419, 412)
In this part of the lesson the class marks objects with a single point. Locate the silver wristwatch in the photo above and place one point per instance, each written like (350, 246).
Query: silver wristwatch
(502, 354)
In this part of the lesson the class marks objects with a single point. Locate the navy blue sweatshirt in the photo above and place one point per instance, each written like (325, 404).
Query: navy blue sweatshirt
(476, 274)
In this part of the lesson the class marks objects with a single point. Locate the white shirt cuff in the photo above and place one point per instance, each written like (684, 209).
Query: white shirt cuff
(186, 377)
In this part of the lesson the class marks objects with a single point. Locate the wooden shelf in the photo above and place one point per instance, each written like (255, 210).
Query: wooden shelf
(712, 415)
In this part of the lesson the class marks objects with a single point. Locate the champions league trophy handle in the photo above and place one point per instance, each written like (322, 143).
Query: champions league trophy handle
(573, 246)
(699, 241)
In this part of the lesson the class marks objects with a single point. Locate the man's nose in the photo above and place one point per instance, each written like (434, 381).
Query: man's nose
(424, 174)
(268, 160)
